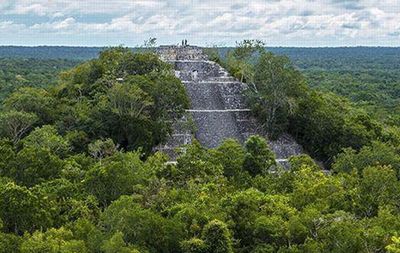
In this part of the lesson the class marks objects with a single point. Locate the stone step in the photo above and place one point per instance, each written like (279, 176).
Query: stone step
(248, 129)
(223, 82)
(218, 107)
(285, 146)
(209, 95)
(218, 111)
(199, 70)
(190, 73)
(218, 78)
(229, 87)
(204, 96)
(283, 162)
(177, 141)
(234, 102)
(214, 127)
(192, 61)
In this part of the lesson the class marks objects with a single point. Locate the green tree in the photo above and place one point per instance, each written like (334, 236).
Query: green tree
(194, 245)
(303, 160)
(151, 42)
(35, 165)
(274, 95)
(116, 244)
(245, 49)
(84, 230)
(394, 246)
(243, 208)
(113, 177)
(379, 186)
(239, 61)
(68, 201)
(21, 210)
(47, 137)
(128, 100)
(271, 230)
(52, 241)
(230, 154)
(194, 164)
(217, 237)
(312, 187)
(7, 155)
(342, 233)
(131, 98)
(9, 243)
(325, 124)
(146, 63)
(32, 100)
(377, 153)
(15, 124)
(142, 227)
(258, 158)
(100, 149)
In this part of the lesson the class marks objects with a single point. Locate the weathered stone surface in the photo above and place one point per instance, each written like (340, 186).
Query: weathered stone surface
(218, 107)
(174, 53)
(204, 96)
(215, 127)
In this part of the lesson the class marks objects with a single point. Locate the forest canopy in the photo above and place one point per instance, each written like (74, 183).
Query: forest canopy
(78, 172)
(323, 122)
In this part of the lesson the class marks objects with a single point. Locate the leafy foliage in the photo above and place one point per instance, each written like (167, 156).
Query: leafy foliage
(27, 72)
(77, 173)
(279, 97)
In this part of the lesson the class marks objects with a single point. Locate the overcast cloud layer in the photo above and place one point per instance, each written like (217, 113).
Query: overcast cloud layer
(203, 22)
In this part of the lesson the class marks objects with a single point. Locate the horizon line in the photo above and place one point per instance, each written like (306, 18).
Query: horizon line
(230, 46)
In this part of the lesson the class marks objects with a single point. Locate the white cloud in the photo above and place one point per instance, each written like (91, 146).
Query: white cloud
(10, 26)
(49, 7)
(217, 20)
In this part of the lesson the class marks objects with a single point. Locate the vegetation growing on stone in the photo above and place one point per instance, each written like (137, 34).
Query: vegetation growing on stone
(77, 171)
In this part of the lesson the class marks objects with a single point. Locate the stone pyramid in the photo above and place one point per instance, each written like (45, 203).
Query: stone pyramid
(218, 110)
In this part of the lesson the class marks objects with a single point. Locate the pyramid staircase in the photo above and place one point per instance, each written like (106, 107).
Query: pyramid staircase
(218, 109)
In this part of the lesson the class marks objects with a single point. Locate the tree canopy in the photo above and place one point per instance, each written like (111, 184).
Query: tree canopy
(78, 172)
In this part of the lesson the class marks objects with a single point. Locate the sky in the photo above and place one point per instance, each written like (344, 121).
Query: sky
(310, 23)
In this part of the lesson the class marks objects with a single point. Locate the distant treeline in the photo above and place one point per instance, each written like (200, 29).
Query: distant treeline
(337, 58)
(299, 55)
(50, 52)
(30, 72)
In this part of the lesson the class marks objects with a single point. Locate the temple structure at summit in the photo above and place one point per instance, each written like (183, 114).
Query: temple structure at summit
(218, 110)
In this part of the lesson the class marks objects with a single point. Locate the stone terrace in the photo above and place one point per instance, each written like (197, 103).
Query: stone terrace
(218, 108)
